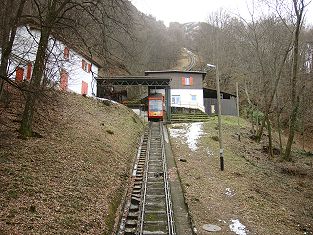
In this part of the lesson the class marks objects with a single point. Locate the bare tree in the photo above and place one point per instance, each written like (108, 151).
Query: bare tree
(9, 22)
(299, 7)
(79, 22)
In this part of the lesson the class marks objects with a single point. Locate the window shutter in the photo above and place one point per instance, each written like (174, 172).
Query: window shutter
(66, 53)
(183, 81)
(64, 80)
(83, 64)
(19, 74)
(190, 81)
(89, 68)
(84, 88)
(29, 71)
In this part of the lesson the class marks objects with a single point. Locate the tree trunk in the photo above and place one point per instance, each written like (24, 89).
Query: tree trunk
(287, 156)
(299, 9)
(252, 124)
(8, 39)
(270, 139)
(279, 133)
(251, 106)
(303, 147)
(278, 113)
(269, 104)
(261, 127)
(32, 96)
(4, 65)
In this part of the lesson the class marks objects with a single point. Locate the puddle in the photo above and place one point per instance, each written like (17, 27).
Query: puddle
(238, 227)
(229, 192)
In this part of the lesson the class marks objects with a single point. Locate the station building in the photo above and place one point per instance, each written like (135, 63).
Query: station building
(183, 91)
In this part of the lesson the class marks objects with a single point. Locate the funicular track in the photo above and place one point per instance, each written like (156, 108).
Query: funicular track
(148, 209)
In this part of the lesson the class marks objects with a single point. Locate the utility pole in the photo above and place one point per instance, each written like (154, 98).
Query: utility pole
(220, 137)
(238, 114)
(220, 140)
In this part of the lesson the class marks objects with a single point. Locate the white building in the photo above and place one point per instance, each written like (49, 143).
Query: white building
(186, 87)
(66, 68)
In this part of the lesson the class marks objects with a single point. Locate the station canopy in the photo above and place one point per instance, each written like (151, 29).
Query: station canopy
(134, 80)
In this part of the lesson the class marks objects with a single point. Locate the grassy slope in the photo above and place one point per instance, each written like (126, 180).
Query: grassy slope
(70, 180)
(269, 197)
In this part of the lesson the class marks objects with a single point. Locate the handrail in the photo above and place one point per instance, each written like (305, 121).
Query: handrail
(170, 217)
(145, 184)
(189, 105)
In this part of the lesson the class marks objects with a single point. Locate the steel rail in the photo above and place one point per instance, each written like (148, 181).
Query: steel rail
(148, 209)
(145, 182)
(170, 216)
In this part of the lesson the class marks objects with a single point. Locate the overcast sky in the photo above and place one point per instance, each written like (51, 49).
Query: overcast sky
(198, 10)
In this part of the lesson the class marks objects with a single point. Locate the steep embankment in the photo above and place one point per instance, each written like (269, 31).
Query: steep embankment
(69, 180)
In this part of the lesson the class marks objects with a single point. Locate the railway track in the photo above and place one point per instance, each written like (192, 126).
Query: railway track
(148, 209)
(192, 59)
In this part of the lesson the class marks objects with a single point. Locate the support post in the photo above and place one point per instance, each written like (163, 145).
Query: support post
(168, 103)
(219, 119)
(238, 113)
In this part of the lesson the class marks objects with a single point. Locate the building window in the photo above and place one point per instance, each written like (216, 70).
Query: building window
(175, 99)
(66, 53)
(193, 98)
(19, 74)
(187, 81)
(86, 66)
(84, 88)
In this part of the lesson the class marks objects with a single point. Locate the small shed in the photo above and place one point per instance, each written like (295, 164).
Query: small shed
(228, 102)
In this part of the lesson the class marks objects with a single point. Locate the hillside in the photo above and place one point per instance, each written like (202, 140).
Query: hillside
(69, 179)
(253, 195)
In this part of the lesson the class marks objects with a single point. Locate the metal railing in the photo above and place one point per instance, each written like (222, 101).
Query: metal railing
(189, 106)
(170, 216)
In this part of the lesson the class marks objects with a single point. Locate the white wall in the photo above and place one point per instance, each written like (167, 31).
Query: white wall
(185, 98)
(25, 49)
(77, 75)
(157, 91)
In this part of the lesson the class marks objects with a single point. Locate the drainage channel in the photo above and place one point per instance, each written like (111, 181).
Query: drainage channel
(148, 209)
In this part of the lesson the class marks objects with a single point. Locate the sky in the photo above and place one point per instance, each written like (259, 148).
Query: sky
(199, 10)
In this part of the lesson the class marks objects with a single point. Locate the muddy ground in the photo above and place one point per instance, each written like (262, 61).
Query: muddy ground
(253, 195)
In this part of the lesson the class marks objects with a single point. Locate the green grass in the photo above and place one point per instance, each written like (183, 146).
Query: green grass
(230, 120)
(12, 194)
(115, 202)
(70, 221)
(304, 153)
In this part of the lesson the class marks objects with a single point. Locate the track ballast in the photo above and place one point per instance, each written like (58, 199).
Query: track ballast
(148, 209)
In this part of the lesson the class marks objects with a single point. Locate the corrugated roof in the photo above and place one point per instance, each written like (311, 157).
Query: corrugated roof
(134, 77)
(176, 71)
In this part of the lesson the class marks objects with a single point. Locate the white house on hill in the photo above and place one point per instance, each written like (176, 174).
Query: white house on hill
(66, 68)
